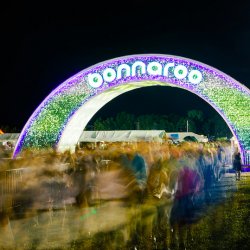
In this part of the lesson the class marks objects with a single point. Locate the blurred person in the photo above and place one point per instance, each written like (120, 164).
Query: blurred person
(68, 158)
(8, 146)
(237, 164)
(3, 154)
(7, 238)
(183, 211)
(137, 186)
(216, 163)
(6, 232)
(221, 160)
(139, 168)
(158, 200)
(126, 159)
(208, 172)
(84, 180)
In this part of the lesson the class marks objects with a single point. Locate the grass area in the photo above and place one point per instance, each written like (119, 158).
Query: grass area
(227, 226)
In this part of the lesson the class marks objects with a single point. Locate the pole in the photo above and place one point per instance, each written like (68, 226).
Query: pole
(187, 126)
(137, 125)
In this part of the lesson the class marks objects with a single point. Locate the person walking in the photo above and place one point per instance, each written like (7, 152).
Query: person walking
(237, 164)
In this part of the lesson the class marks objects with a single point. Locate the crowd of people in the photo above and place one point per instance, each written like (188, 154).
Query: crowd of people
(136, 188)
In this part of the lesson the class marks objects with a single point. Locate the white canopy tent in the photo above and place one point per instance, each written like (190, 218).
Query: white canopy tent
(179, 136)
(10, 137)
(121, 135)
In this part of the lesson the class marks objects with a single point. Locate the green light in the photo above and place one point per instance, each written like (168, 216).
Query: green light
(93, 211)
(44, 130)
(154, 68)
(180, 72)
(195, 76)
(109, 75)
(48, 124)
(95, 80)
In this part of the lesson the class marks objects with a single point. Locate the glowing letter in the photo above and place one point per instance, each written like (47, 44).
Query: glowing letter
(180, 72)
(154, 68)
(166, 68)
(109, 75)
(195, 76)
(143, 67)
(120, 68)
(95, 80)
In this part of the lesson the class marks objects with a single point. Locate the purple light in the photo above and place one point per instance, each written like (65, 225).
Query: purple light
(129, 60)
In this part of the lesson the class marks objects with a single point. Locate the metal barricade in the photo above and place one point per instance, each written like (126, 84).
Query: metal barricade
(13, 180)
(247, 157)
(10, 184)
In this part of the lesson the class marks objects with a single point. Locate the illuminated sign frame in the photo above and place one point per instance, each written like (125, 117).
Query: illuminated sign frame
(61, 117)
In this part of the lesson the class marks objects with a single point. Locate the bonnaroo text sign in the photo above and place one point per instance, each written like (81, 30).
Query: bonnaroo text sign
(153, 68)
(59, 120)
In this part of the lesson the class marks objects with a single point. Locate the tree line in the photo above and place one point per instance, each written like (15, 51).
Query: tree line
(9, 129)
(210, 124)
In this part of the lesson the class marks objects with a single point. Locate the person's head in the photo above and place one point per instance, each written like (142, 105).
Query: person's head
(175, 153)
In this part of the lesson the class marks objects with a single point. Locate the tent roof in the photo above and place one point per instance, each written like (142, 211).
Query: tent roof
(1, 132)
(9, 137)
(121, 135)
(182, 135)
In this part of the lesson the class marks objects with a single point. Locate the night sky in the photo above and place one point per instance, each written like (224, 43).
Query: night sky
(43, 45)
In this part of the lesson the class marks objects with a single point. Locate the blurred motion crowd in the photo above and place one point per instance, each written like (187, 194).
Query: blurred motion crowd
(133, 189)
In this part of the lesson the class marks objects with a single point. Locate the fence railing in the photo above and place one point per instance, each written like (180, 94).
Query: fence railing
(247, 157)
(10, 184)
(229, 155)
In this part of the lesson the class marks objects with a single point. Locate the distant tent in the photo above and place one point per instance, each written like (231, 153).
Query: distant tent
(122, 135)
(1, 132)
(11, 137)
(179, 136)
(190, 138)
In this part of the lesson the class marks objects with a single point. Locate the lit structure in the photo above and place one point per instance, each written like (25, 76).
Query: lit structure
(61, 117)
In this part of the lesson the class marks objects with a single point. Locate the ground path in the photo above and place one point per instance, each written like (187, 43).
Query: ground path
(59, 229)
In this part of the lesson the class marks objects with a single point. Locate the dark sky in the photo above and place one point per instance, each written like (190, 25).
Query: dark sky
(43, 45)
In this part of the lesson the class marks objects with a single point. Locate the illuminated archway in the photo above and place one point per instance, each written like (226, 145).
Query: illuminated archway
(61, 117)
